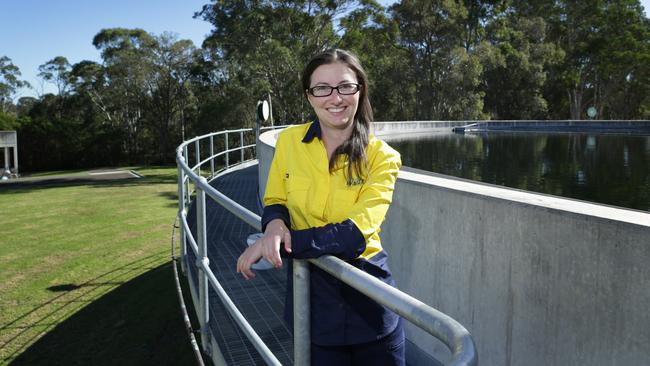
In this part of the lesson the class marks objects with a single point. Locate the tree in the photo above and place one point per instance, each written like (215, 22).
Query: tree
(57, 71)
(89, 78)
(127, 58)
(447, 75)
(516, 67)
(170, 92)
(606, 46)
(9, 81)
(622, 77)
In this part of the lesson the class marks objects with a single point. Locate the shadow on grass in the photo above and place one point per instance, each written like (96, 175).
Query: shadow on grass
(137, 323)
(56, 308)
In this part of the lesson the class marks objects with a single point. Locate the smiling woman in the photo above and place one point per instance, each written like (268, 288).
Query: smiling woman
(315, 206)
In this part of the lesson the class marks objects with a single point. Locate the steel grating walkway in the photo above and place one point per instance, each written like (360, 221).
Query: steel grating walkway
(261, 300)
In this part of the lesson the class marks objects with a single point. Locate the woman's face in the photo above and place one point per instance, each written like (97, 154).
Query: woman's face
(336, 110)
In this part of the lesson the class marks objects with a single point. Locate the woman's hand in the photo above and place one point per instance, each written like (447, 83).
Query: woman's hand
(267, 246)
(251, 255)
(276, 233)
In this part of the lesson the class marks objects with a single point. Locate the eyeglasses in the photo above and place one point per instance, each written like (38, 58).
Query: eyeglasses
(326, 90)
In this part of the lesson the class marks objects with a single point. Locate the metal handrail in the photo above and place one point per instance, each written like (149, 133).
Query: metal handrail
(434, 322)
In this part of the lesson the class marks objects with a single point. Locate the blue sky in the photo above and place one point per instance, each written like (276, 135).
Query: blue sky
(33, 32)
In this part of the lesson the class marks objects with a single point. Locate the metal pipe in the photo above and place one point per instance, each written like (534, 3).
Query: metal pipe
(232, 206)
(211, 156)
(191, 241)
(186, 156)
(198, 156)
(250, 333)
(301, 314)
(181, 212)
(181, 300)
(203, 264)
(241, 143)
(434, 322)
(227, 153)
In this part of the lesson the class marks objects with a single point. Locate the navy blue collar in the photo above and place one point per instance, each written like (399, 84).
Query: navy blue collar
(313, 131)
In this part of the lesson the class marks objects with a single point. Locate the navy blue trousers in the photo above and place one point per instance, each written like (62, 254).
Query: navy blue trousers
(388, 351)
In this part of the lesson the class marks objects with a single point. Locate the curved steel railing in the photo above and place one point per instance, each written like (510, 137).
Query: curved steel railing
(436, 323)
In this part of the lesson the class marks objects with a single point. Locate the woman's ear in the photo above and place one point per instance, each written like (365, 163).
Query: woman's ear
(308, 99)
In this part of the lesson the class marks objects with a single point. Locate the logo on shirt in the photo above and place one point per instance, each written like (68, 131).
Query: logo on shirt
(356, 181)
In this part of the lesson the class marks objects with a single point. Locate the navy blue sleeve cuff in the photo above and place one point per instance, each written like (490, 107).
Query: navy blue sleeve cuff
(272, 212)
(343, 240)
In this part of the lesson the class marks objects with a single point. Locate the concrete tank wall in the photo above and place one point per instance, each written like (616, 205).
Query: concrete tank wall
(536, 279)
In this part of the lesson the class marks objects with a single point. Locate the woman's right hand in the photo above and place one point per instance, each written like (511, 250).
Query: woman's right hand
(276, 234)
(268, 246)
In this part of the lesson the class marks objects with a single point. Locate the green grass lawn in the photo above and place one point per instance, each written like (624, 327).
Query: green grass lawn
(86, 276)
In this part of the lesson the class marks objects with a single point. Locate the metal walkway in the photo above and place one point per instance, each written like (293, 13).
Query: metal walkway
(261, 300)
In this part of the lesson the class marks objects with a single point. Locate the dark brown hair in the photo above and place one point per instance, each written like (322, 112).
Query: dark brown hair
(355, 146)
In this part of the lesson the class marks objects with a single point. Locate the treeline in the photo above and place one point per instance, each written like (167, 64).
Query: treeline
(427, 60)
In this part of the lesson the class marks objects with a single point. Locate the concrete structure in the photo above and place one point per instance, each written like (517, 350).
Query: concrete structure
(600, 126)
(9, 140)
(536, 279)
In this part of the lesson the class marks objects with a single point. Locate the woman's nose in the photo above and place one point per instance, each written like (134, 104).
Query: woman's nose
(336, 95)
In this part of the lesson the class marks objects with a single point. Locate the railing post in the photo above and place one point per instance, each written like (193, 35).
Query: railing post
(198, 157)
(181, 214)
(241, 146)
(204, 311)
(227, 152)
(188, 192)
(211, 156)
(301, 314)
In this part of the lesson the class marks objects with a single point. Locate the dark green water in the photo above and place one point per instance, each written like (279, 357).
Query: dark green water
(609, 169)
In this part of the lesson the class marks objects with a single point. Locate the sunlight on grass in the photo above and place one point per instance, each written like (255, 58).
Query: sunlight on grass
(66, 246)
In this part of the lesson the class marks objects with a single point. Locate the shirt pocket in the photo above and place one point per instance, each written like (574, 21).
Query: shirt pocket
(297, 193)
(342, 202)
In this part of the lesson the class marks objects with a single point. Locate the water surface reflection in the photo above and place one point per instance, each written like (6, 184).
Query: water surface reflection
(609, 169)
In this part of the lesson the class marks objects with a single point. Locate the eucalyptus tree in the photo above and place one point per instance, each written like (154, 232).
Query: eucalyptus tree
(606, 56)
(447, 75)
(89, 78)
(577, 26)
(127, 55)
(621, 87)
(516, 62)
(169, 88)
(480, 13)
(9, 82)
(57, 72)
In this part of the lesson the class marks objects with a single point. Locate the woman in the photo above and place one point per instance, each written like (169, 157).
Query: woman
(328, 190)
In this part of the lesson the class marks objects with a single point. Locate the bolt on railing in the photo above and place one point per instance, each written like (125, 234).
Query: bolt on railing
(436, 323)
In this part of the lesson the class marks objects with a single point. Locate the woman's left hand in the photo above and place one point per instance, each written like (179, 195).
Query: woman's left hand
(251, 255)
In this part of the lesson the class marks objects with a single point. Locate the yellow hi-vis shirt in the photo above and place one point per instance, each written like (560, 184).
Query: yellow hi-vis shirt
(300, 180)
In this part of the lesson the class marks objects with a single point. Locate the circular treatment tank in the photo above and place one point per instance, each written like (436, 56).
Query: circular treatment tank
(612, 169)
